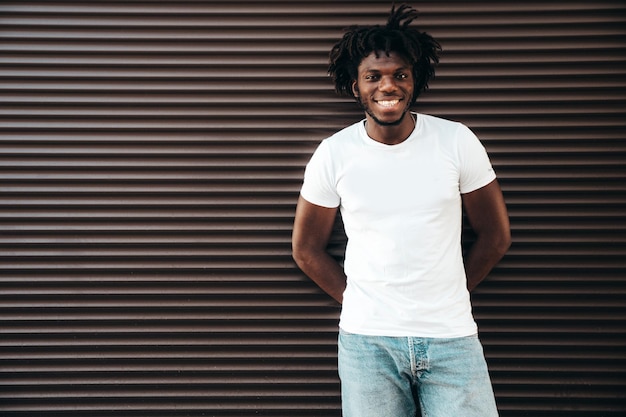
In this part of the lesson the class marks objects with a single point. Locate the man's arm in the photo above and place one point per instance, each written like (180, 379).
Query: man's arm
(488, 217)
(312, 228)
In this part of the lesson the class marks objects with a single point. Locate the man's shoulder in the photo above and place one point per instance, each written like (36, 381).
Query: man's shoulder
(436, 121)
(446, 131)
(350, 131)
(344, 137)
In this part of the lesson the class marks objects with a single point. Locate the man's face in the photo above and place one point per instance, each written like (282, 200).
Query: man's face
(384, 87)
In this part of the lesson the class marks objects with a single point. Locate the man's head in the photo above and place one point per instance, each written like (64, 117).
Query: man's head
(418, 49)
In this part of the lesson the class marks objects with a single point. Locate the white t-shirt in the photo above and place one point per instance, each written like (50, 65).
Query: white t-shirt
(401, 208)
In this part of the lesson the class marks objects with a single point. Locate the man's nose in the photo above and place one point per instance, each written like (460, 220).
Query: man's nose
(387, 84)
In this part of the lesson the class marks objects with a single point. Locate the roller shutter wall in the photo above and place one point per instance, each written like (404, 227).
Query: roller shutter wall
(151, 157)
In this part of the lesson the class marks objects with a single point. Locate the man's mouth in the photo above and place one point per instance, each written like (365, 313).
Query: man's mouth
(388, 103)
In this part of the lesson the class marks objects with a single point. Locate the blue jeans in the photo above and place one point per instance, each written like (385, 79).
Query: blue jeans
(399, 376)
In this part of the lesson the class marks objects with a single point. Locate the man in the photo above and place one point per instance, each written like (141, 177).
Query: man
(407, 339)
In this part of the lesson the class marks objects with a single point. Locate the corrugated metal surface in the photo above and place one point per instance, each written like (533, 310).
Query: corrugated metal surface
(150, 158)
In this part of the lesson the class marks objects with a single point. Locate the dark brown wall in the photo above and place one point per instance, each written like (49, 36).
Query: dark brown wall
(151, 155)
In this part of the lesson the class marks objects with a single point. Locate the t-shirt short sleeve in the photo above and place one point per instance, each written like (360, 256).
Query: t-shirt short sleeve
(319, 179)
(476, 169)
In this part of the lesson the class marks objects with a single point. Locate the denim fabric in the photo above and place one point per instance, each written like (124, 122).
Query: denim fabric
(398, 376)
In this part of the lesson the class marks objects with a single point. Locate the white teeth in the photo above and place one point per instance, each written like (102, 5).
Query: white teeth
(388, 103)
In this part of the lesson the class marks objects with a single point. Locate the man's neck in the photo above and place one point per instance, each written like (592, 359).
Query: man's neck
(390, 134)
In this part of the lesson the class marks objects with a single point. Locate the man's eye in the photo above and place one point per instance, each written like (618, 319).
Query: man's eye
(402, 76)
(371, 77)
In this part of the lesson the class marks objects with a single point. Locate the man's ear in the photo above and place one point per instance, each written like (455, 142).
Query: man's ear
(355, 89)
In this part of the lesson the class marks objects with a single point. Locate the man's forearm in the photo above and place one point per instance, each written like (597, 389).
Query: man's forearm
(488, 217)
(481, 258)
(324, 270)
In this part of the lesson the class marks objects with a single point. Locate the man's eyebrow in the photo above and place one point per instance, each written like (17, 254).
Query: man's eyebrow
(403, 68)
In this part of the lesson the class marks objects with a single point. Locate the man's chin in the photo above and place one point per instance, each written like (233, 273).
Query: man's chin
(387, 122)
(380, 121)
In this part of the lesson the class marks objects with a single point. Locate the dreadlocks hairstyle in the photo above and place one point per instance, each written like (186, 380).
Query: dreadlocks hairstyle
(419, 49)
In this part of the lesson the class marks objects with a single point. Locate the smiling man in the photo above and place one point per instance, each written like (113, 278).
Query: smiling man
(407, 340)
(384, 88)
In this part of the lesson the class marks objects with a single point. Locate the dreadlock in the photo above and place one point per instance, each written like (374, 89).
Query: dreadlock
(419, 49)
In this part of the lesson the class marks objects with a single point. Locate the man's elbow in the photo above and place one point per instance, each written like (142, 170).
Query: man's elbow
(297, 255)
(503, 242)
(300, 254)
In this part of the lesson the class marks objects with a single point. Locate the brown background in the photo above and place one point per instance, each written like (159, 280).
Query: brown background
(151, 155)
